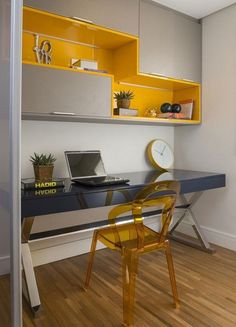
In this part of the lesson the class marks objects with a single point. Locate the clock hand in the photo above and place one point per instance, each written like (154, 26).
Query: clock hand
(163, 150)
(158, 152)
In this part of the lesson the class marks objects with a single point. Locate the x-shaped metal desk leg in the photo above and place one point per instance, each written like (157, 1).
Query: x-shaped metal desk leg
(30, 288)
(201, 242)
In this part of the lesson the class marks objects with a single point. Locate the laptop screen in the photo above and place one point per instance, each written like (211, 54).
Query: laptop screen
(85, 164)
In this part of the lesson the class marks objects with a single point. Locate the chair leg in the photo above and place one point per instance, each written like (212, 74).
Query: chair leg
(172, 275)
(130, 263)
(91, 259)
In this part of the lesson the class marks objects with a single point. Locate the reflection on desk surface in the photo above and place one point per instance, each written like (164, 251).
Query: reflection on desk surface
(188, 179)
(76, 197)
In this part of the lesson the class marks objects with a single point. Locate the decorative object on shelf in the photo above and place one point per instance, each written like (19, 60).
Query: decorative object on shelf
(151, 112)
(181, 110)
(43, 53)
(187, 108)
(176, 108)
(43, 167)
(125, 112)
(167, 107)
(160, 154)
(123, 98)
(32, 184)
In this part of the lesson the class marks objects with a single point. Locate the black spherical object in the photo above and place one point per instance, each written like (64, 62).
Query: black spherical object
(165, 107)
(176, 108)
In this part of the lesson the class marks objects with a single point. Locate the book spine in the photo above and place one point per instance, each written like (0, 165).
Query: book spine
(125, 112)
(42, 185)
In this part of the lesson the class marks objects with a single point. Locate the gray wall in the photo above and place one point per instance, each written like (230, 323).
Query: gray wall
(212, 146)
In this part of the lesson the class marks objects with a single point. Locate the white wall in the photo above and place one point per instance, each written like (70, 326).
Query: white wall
(123, 148)
(212, 146)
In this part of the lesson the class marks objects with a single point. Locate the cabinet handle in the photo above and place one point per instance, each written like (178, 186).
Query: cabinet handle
(188, 80)
(83, 19)
(63, 113)
(159, 74)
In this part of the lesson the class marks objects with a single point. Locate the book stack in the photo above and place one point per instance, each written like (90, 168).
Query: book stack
(172, 115)
(87, 65)
(125, 112)
(32, 184)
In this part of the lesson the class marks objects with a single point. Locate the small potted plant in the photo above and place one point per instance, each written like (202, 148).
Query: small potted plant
(43, 166)
(123, 98)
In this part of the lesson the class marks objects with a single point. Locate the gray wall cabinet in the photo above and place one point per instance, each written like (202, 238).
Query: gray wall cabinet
(121, 15)
(47, 90)
(170, 43)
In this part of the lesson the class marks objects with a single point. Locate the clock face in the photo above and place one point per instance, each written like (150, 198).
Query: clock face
(160, 154)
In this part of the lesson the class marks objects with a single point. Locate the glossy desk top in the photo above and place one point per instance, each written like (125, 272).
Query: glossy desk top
(77, 197)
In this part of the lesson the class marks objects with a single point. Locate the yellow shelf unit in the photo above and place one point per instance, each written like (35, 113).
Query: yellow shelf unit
(147, 96)
(116, 53)
(71, 38)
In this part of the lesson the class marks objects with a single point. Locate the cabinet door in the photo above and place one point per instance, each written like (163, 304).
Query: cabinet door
(47, 90)
(155, 47)
(187, 52)
(121, 15)
(170, 43)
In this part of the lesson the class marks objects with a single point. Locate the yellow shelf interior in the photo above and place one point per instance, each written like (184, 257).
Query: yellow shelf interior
(79, 71)
(116, 53)
(42, 22)
(73, 39)
(147, 98)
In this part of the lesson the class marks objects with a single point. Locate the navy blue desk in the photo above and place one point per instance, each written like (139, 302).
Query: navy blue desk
(78, 197)
(43, 202)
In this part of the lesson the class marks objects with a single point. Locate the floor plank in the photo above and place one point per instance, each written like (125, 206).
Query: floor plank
(206, 284)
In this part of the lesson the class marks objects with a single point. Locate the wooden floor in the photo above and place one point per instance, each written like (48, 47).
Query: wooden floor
(206, 283)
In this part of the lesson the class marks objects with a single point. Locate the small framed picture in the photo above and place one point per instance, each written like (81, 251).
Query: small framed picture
(186, 109)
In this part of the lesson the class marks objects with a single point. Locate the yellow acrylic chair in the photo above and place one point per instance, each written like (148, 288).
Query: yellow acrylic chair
(134, 238)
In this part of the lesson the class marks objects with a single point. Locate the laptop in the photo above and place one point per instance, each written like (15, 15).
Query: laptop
(86, 167)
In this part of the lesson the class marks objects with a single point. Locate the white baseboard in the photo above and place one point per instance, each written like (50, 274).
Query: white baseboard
(214, 236)
(4, 265)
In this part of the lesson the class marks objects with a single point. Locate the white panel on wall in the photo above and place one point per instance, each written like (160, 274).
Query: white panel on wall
(123, 146)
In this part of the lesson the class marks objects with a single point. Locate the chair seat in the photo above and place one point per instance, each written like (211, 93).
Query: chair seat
(128, 237)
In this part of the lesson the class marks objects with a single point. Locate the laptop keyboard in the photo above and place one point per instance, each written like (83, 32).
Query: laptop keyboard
(111, 178)
(108, 180)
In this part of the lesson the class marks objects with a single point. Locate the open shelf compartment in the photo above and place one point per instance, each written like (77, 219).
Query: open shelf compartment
(117, 55)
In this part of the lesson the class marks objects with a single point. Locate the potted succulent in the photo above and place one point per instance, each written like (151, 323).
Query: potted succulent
(43, 166)
(123, 98)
